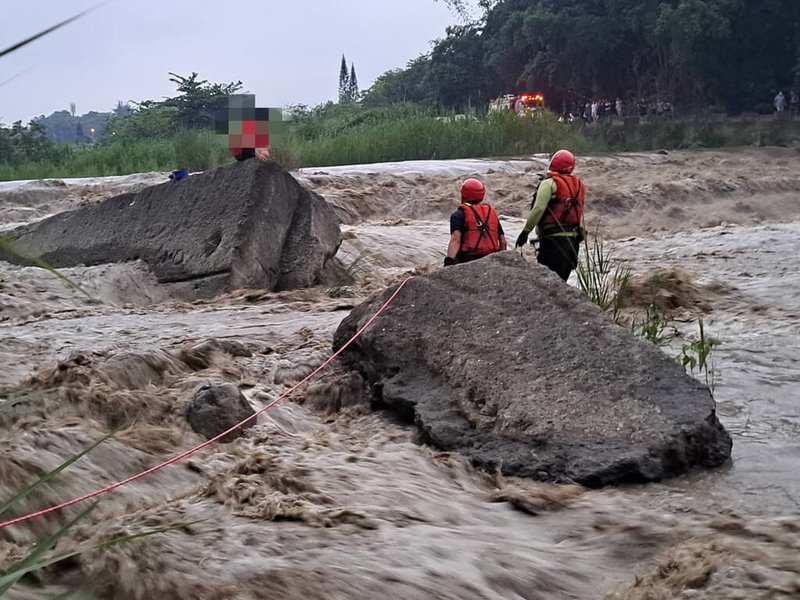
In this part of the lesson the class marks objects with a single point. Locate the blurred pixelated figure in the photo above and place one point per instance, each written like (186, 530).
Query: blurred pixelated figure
(247, 127)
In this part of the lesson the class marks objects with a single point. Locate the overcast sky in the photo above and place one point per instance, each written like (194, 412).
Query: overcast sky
(285, 52)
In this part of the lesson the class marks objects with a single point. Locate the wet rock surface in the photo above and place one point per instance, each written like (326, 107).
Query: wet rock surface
(245, 225)
(216, 407)
(500, 361)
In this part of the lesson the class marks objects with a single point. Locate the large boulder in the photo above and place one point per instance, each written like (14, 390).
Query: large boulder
(249, 224)
(499, 360)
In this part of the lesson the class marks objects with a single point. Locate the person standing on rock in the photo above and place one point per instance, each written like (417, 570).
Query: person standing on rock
(557, 215)
(475, 230)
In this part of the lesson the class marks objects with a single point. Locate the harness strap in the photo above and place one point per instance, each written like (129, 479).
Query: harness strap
(483, 227)
(572, 202)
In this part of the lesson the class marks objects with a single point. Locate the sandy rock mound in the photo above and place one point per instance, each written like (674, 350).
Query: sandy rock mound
(501, 361)
(245, 225)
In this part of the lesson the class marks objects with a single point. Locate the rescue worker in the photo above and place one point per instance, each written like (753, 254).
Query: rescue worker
(475, 230)
(557, 215)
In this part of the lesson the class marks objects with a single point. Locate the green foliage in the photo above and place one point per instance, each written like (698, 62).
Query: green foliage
(199, 150)
(602, 278)
(687, 51)
(62, 127)
(455, 74)
(340, 279)
(194, 107)
(119, 158)
(198, 100)
(400, 86)
(353, 91)
(694, 355)
(35, 559)
(344, 82)
(20, 144)
(697, 355)
(349, 135)
(653, 326)
(144, 123)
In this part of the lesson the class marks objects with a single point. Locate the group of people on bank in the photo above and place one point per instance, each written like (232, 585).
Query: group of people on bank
(556, 215)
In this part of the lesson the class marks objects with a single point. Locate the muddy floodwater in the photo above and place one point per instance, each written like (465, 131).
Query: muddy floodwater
(757, 363)
(325, 498)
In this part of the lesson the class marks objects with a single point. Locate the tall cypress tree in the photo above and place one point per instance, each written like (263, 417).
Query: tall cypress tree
(353, 83)
(344, 82)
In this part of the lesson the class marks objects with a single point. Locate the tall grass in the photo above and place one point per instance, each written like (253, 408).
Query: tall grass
(193, 150)
(199, 150)
(602, 278)
(421, 136)
(120, 158)
(353, 135)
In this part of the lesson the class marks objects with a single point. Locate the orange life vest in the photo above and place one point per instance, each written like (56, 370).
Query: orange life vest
(483, 230)
(565, 209)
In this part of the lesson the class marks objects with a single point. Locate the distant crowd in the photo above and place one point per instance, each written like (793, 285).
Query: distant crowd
(593, 111)
(784, 104)
(596, 110)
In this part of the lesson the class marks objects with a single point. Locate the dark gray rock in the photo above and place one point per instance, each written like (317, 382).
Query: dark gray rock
(499, 360)
(216, 407)
(247, 225)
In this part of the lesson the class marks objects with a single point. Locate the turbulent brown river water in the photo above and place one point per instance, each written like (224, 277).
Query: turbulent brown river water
(320, 504)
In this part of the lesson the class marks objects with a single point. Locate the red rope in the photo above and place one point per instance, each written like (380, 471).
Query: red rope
(175, 459)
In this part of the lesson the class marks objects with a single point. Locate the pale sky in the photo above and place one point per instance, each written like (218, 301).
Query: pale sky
(284, 52)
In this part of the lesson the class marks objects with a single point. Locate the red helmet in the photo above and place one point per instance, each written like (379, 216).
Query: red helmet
(563, 162)
(472, 190)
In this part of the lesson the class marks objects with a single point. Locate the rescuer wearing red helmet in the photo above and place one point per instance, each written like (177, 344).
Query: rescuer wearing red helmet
(557, 215)
(475, 230)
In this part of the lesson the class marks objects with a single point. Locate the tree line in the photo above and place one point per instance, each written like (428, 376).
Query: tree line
(734, 55)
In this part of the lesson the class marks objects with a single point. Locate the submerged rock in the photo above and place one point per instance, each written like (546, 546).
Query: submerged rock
(216, 407)
(499, 360)
(249, 224)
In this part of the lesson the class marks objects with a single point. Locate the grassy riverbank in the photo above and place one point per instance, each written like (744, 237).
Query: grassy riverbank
(350, 135)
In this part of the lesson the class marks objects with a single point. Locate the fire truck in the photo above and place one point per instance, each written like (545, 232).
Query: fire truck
(522, 104)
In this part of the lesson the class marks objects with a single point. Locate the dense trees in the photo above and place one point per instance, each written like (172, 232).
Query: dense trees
(344, 81)
(194, 107)
(348, 83)
(64, 127)
(733, 53)
(20, 143)
(198, 101)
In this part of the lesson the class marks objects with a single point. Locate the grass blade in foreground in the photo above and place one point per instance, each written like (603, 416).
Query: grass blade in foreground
(48, 476)
(7, 245)
(35, 37)
(29, 564)
(601, 277)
